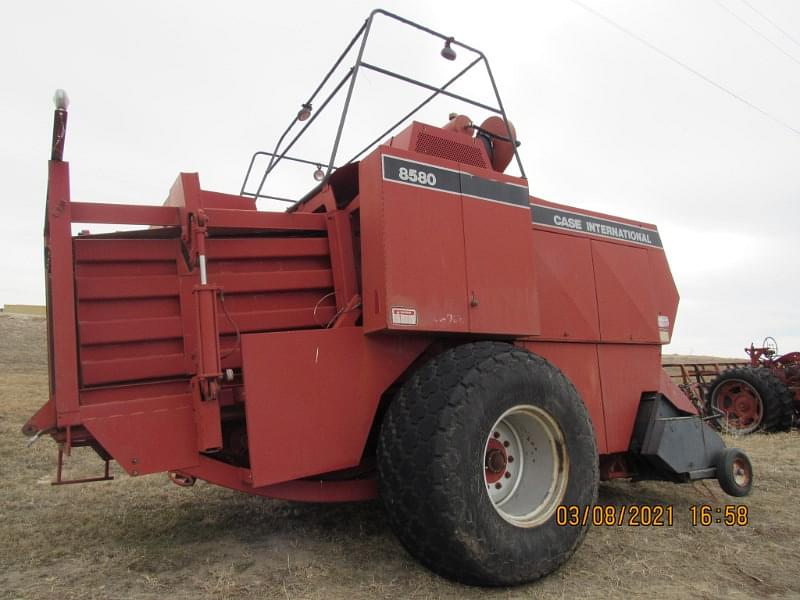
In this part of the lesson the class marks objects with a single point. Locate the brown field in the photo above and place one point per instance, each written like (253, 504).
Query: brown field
(146, 538)
(36, 310)
(695, 358)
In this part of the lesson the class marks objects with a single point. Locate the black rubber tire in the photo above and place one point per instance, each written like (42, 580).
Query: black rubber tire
(776, 399)
(726, 475)
(430, 454)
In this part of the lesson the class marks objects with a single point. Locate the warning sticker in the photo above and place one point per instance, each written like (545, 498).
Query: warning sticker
(663, 328)
(404, 316)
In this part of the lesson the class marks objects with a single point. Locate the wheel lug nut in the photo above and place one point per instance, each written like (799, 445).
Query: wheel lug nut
(510, 458)
(496, 434)
(498, 485)
(506, 443)
(508, 475)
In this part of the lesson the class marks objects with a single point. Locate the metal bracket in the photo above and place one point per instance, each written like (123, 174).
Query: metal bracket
(60, 467)
(35, 438)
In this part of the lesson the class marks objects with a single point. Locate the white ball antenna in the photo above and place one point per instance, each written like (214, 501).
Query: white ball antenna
(61, 99)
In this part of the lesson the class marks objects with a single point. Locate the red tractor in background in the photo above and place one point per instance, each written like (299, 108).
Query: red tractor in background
(416, 327)
(762, 395)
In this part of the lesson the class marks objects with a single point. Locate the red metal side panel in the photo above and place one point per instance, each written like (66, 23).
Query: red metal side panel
(624, 293)
(579, 363)
(664, 290)
(500, 268)
(446, 247)
(146, 435)
(675, 394)
(300, 490)
(423, 240)
(270, 284)
(129, 319)
(565, 278)
(136, 303)
(626, 372)
(311, 396)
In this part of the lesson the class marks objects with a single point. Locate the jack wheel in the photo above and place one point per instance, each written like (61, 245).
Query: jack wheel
(734, 472)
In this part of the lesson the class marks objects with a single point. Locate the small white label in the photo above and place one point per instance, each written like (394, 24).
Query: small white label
(663, 334)
(663, 322)
(404, 316)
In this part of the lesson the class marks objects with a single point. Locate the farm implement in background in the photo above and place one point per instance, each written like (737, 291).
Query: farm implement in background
(762, 394)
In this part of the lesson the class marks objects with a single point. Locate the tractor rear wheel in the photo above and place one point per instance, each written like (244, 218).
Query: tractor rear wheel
(751, 399)
(477, 451)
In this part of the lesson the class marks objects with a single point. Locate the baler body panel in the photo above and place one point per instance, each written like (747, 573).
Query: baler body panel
(579, 362)
(626, 374)
(618, 289)
(129, 314)
(564, 268)
(448, 249)
(625, 300)
(311, 397)
(146, 434)
(604, 280)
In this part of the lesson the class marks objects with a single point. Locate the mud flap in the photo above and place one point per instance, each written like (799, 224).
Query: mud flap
(673, 444)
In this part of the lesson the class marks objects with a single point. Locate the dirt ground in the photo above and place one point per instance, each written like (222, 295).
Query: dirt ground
(146, 538)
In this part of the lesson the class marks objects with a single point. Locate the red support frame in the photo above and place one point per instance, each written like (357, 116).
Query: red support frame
(124, 214)
(61, 321)
(340, 241)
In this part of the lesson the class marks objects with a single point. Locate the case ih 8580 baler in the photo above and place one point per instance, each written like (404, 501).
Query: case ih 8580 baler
(417, 327)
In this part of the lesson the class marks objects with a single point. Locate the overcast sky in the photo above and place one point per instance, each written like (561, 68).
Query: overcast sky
(607, 123)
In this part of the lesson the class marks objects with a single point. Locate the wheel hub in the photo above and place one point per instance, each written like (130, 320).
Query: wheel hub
(745, 406)
(525, 466)
(741, 472)
(741, 405)
(496, 461)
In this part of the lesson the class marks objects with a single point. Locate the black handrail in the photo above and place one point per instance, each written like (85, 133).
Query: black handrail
(363, 33)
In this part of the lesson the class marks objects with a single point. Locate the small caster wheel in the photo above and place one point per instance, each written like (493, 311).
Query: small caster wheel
(734, 472)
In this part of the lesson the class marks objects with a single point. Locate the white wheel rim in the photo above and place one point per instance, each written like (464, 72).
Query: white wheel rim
(525, 466)
(741, 472)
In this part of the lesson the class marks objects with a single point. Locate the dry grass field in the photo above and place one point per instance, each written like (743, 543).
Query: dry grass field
(146, 538)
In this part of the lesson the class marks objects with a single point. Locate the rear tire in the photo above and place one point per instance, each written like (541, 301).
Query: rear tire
(752, 399)
(451, 435)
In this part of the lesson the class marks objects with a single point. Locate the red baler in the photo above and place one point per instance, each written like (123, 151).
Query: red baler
(417, 326)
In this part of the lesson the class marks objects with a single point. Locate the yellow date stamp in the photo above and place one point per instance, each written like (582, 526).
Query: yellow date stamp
(611, 515)
(647, 515)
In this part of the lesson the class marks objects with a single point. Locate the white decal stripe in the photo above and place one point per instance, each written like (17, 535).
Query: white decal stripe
(588, 216)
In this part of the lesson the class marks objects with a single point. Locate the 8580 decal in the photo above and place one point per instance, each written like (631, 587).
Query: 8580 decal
(417, 176)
